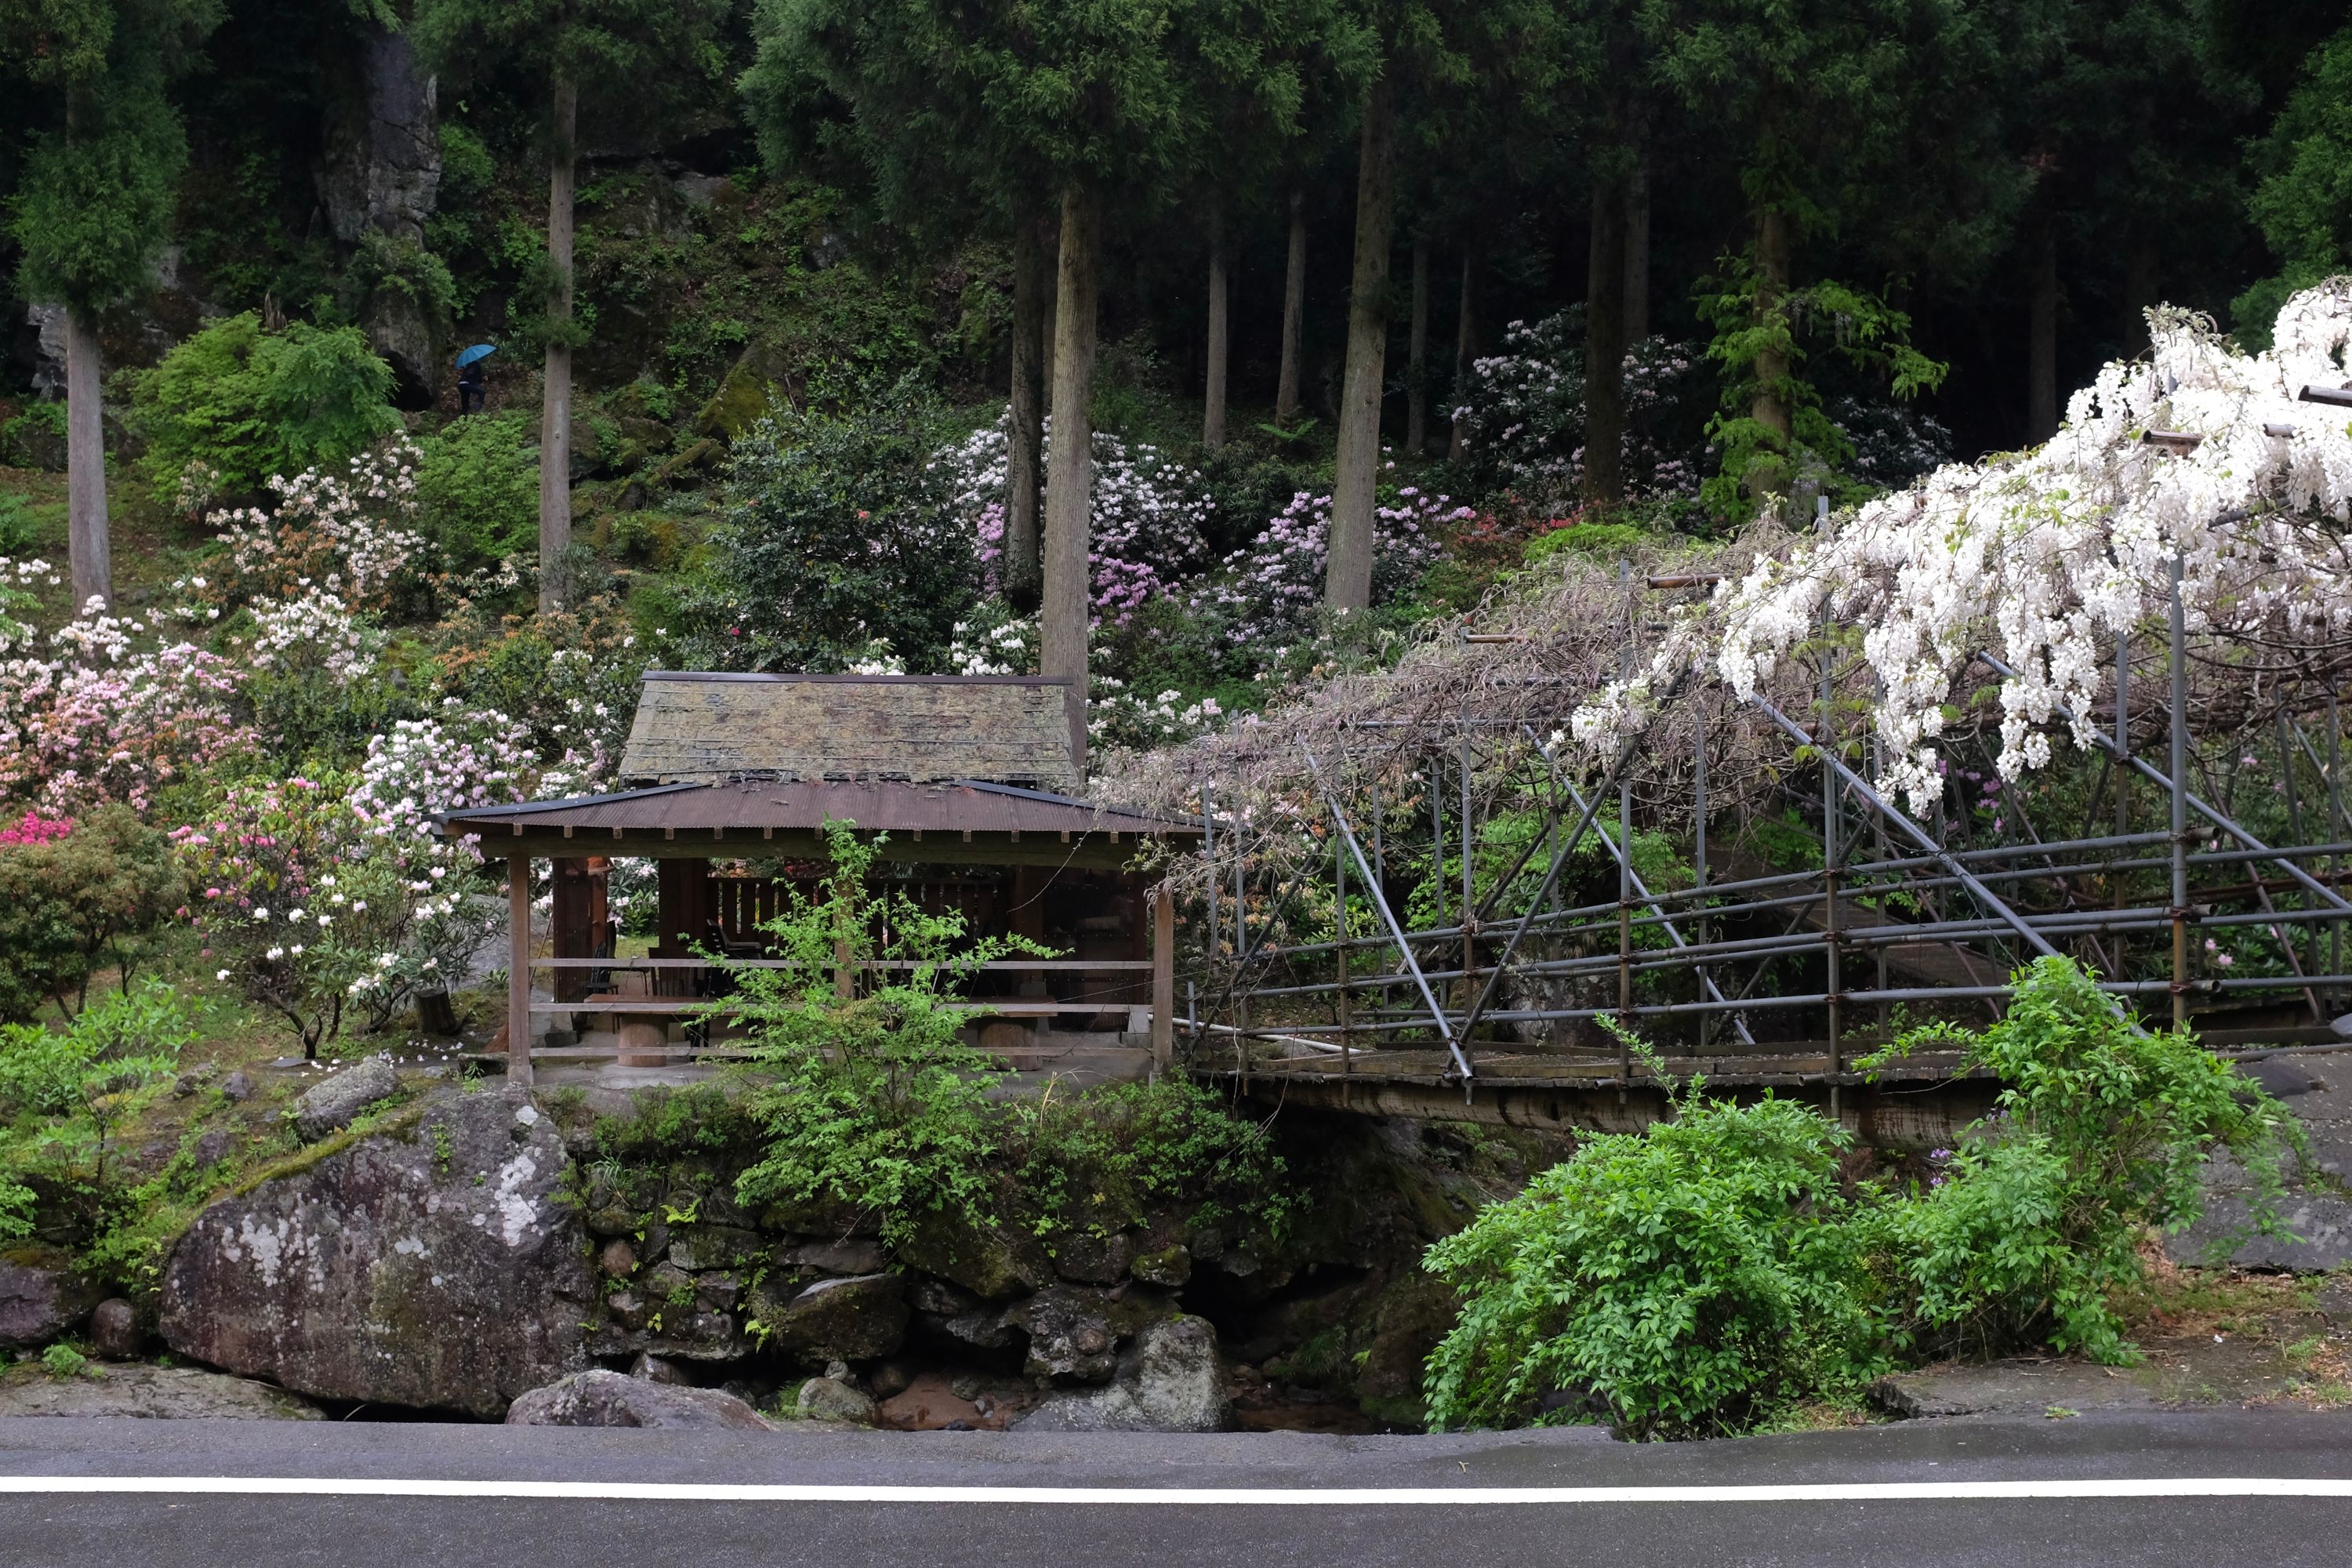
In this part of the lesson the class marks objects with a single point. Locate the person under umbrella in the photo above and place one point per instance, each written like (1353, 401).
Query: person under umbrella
(472, 391)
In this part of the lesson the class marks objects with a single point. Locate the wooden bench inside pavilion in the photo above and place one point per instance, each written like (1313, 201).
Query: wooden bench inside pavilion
(972, 781)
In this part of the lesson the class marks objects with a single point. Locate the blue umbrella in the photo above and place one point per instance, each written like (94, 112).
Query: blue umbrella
(479, 351)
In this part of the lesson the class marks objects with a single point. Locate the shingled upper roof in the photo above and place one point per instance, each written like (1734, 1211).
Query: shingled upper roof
(706, 728)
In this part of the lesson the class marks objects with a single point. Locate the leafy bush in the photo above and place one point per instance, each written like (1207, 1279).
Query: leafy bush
(1696, 1277)
(837, 537)
(2102, 1134)
(233, 405)
(72, 902)
(872, 1100)
(63, 1094)
(1686, 1279)
(478, 487)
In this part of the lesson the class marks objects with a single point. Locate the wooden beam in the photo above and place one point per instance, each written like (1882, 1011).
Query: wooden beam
(518, 970)
(1091, 851)
(1163, 978)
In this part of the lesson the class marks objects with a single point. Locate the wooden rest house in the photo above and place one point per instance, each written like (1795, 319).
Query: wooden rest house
(728, 781)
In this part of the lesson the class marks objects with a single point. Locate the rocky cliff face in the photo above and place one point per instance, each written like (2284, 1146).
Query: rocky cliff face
(437, 1267)
(377, 183)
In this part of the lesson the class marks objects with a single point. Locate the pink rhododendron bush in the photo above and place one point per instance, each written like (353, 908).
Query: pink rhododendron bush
(2045, 558)
(107, 708)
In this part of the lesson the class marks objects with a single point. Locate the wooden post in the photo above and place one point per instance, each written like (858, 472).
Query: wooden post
(1163, 978)
(518, 970)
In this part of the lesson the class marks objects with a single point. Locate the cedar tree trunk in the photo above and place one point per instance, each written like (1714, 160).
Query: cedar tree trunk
(555, 396)
(1293, 306)
(1604, 346)
(1465, 330)
(1348, 580)
(2042, 336)
(1025, 440)
(87, 544)
(1213, 412)
(1416, 380)
(1069, 475)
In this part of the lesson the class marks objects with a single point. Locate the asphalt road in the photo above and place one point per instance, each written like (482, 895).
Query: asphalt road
(2234, 1487)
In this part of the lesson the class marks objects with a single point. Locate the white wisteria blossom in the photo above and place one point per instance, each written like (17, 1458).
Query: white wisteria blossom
(2045, 557)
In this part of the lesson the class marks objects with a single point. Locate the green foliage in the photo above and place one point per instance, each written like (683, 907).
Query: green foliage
(478, 488)
(65, 1093)
(246, 404)
(837, 536)
(1108, 1158)
(62, 1361)
(1689, 1279)
(871, 1100)
(2100, 1134)
(2303, 202)
(1757, 328)
(1698, 1276)
(93, 207)
(17, 531)
(73, 905)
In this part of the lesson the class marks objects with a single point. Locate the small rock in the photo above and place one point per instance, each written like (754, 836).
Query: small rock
(659, 1369)
(338, 1101)
(713, 1247)
(855, 1318)
(1170, 1381)
(41, 1297)
(238, 1087)
(602, 1398)
(618, 1260)
(613, 1219)
(1168, 1266)
(212, 1146)
(114, 1330)
(667, 1282)
(1071, 1338)
(627, 1308)
(720, 1291)
(890, 1378)
(830, 1399)
(854, 1254)
(1094, 1260)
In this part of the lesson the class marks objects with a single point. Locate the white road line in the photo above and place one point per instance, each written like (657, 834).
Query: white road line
(1171, 1497)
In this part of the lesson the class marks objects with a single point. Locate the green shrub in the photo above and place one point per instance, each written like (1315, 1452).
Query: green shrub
(1700, 1275)
(1110, 1157)
(478, 488)
(1688, 1278)
(64, 1095)
(873, 1101)
(2101, 1134)
(234, 403)
(70, 906)
(837, 536)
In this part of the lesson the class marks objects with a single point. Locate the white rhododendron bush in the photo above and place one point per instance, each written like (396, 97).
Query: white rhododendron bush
(2046, 557)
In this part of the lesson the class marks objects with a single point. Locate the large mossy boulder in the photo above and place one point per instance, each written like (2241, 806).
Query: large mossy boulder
(1171, 1380)
(431, 1264)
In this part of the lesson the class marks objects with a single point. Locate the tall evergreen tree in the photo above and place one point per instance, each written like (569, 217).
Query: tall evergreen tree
(95, 209)
(1502, 47)
(630, 59)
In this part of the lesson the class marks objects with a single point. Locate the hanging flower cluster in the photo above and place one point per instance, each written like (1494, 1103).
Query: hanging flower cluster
(2046, 557)
(1147, 523)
